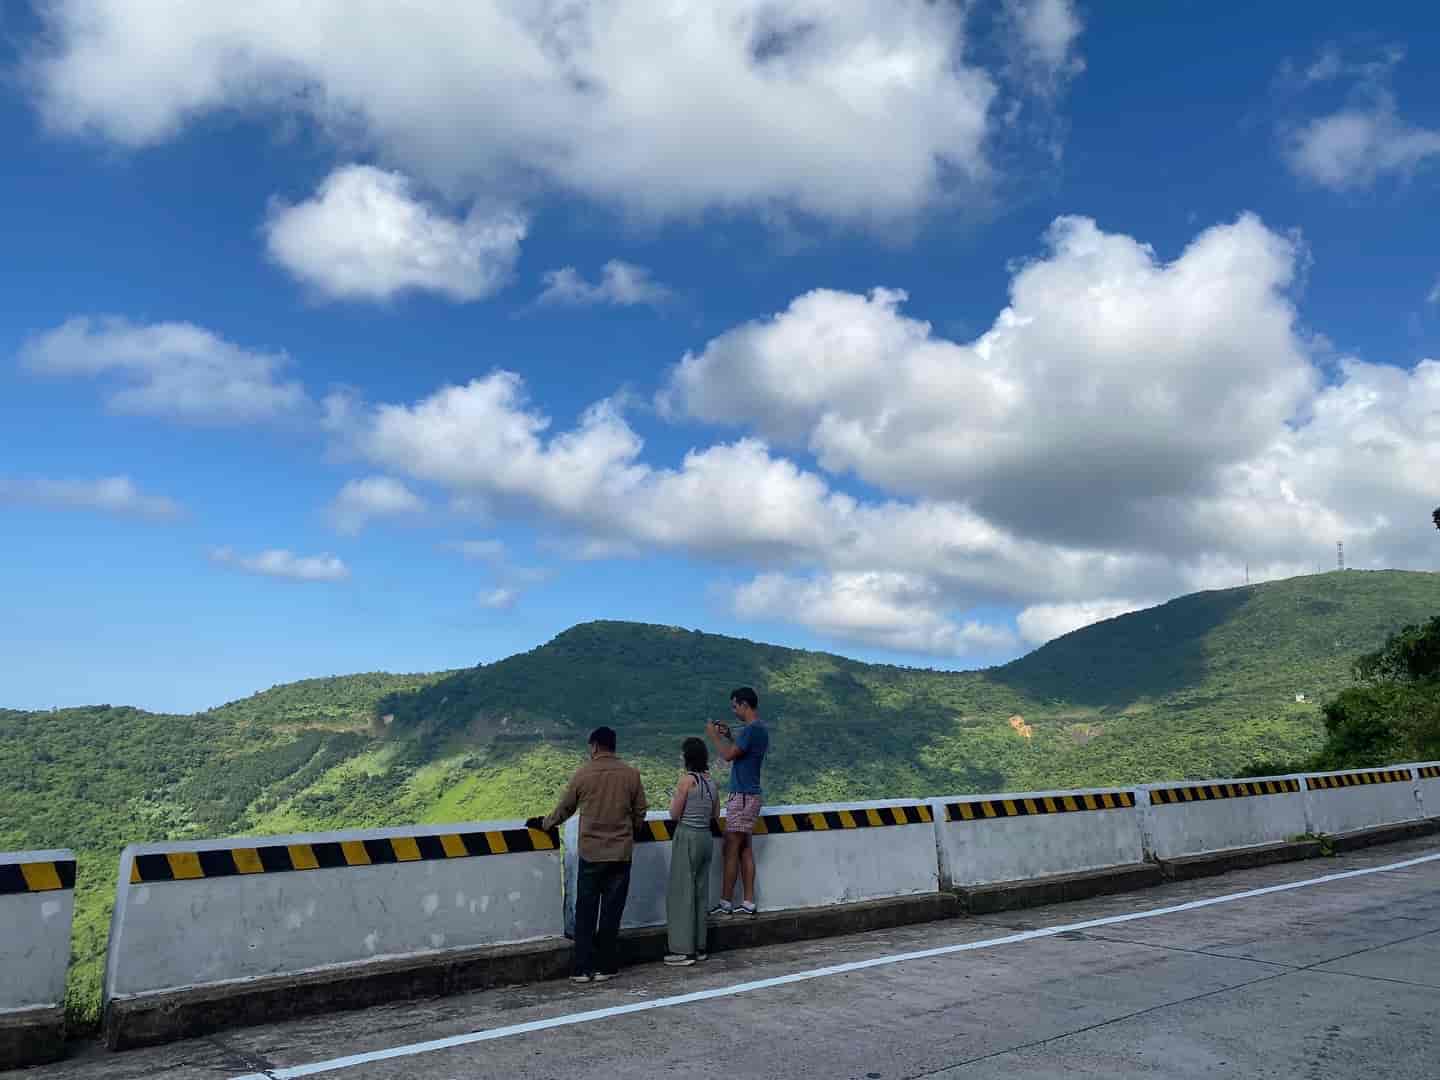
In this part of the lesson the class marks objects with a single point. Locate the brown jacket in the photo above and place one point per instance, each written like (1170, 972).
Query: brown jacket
(611, 801)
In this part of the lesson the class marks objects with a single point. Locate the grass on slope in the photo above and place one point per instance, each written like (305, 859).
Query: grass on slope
(338, 702)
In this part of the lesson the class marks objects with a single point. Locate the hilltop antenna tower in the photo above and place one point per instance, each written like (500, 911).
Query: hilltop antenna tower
(1340, 554)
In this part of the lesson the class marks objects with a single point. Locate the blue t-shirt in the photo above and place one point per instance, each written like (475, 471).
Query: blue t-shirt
(752, 740)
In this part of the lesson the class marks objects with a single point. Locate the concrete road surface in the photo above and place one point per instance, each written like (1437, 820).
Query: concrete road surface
(1326, 979)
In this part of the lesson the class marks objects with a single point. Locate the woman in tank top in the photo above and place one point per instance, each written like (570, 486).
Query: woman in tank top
(693, 808)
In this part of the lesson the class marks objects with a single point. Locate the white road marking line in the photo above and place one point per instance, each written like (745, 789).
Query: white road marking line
(353, 1060)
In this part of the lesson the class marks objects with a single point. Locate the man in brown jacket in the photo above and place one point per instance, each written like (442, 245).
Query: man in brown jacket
(611, 801)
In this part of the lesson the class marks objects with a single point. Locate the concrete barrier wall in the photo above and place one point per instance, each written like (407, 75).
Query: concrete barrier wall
(204, 912)
(1216, 815)
(984, 839)
(805, 856)
(37, 905)
(1341, 802)
(1427, 786)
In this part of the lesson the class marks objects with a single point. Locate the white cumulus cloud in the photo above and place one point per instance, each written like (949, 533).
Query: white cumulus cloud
(1040, 623)
(279, 563)
(733, 502)
(1046, 35)
(866, 110)
(361, 501)
(621, 284)
(1128, 427)
(365, 236)
(500, 598)
(511, 581)
(110, 494)
(174, 370)
(1354, 147)
(901, 612)
(1365, 139)
(1111, 378)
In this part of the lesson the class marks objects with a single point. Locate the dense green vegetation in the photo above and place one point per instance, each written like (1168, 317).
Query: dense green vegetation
(1199, 687)
(1394, 712)
(94, 779)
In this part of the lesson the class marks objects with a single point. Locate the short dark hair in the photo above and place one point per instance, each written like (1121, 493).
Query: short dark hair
(697, 756)
(604, 738)
(745, 696)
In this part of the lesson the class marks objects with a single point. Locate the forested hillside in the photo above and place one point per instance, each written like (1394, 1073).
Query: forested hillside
(1201, 686)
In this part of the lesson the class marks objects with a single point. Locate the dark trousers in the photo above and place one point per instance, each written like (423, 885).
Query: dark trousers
(599, 904)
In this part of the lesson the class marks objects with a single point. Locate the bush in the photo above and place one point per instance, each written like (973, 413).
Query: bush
(1394, 715)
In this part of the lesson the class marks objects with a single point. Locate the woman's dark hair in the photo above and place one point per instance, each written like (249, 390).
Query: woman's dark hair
(697, 757)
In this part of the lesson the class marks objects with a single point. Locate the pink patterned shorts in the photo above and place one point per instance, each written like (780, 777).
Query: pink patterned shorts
(741, 812)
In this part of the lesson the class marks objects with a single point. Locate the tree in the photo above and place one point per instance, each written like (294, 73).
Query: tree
(1395, 712)
(1436, 517)
(1360, 728)
(1411, 655)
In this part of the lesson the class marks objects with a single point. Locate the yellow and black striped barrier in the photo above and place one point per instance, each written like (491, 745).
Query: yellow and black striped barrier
(877, 817)
(810, 821)
(984, 809)
(327, 855)
(663, 831)
(1240, 789)
(51, 875)
(1430, 772)
(1355, 779)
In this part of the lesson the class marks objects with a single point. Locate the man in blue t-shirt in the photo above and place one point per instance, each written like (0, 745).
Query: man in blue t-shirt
(746, 753)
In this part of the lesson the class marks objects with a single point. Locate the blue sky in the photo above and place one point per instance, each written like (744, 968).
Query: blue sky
(312, 362)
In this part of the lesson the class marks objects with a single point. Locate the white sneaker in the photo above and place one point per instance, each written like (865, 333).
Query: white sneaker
(722, 908)
(601, 976)
(701, 957)
(679, 960)
(747, 909)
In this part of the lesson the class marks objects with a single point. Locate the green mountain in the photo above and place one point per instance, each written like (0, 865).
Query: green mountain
(1198, 687)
